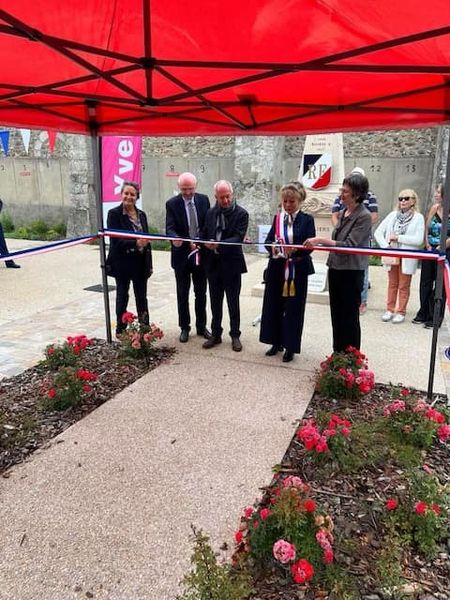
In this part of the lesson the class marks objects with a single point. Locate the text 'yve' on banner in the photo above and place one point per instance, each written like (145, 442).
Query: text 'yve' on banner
(121, 161)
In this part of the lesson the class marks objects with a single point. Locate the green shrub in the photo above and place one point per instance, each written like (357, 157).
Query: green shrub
(7, 223)
(209, 580)
(159, 244)
(375, 261)
(39, 228)
(67, 389)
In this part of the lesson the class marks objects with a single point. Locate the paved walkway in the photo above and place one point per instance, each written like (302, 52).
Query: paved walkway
(106, 509)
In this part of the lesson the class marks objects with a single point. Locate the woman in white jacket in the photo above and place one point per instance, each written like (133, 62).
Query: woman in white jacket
(402, 228)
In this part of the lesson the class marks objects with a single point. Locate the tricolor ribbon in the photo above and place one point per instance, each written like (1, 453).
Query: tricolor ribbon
(417, 254)
(47, 248)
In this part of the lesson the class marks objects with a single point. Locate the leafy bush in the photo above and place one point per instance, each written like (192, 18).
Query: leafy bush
(67, 388)
(7, 223)
(159, 244)
(66, 354)
(420, 513)
(291, 533)
(37, 230)
(414, 422)
(138, 339)
(209, 580)
(345, 375)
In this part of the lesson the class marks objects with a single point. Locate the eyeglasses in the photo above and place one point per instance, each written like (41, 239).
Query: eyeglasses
(401, 198)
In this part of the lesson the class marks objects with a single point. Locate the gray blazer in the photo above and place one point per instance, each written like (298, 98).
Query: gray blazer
(351, 231)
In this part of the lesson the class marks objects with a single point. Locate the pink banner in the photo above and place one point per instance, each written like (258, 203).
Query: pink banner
(121, 161)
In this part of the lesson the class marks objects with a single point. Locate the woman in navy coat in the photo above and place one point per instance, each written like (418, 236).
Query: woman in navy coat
(129, 260)
(286, 276)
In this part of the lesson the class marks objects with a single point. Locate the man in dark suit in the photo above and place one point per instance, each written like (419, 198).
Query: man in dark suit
(225, 222)
(185, 217)
(10, 264)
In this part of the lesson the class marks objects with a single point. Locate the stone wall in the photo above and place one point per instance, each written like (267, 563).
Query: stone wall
(259, 165)
(403, 143)
(206, 147)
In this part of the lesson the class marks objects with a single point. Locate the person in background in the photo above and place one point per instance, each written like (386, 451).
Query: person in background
(226, 221)
(185, 217)
(287, 275)
(10, 264)
(346, 271)
(371, 203)
(129, 260)
(402, 228)
(428, 271)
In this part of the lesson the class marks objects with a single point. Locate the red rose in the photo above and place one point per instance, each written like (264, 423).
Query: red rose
(391, 504)
(404, 392)
(302, 571)
(264, 513)
(310, 506)
(86, 388)
(420, 508)
(436, 509)
(238, 536)
(51, 393)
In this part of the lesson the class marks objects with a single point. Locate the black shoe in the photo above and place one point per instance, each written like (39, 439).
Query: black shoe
(204, 333)
(417, 320)
(12, 265)
(184, 336)
(273, 350)
(428, 325)
(213, 341)
(236, 344)
(288, 356)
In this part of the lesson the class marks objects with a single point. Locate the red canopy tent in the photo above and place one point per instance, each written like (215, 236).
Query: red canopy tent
(201, 67)
(273, 67)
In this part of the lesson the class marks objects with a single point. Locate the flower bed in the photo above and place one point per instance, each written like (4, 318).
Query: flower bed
(359, 506)
(73, 379)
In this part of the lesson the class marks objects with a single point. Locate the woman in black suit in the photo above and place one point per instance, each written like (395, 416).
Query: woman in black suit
(129, 260)
(287, 275)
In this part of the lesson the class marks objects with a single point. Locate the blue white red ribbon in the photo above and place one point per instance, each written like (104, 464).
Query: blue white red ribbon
(47, 248)
(394, 252)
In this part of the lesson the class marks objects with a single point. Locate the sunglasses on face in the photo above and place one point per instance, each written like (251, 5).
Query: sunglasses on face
(401, 198)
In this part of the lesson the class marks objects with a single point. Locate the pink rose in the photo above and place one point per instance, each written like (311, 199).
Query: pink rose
(292, 481)
(248, 511)
(284, 551)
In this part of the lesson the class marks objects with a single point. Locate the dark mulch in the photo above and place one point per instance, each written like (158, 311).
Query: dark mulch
(350, 500)
(25, 426)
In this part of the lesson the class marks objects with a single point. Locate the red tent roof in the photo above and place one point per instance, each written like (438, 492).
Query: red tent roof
(224, 67)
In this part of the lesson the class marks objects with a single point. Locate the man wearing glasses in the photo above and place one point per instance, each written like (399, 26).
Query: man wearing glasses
(371, 203)
(185, 217)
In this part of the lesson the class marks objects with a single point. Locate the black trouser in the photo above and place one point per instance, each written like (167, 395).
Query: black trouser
(183, 278)
(122, 297)
(3, 247)
(231, 287)
(428, 274)
(345, 297)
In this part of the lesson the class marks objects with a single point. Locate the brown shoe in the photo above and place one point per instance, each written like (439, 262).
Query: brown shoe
(236, 344)
(213, 341)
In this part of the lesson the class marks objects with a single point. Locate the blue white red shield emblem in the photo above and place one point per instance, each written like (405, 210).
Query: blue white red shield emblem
(316, 171)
